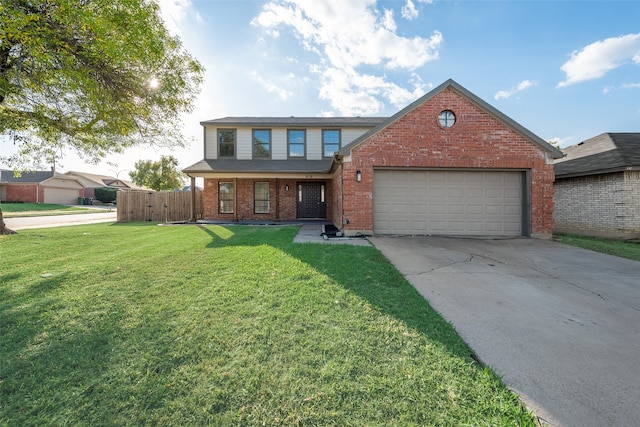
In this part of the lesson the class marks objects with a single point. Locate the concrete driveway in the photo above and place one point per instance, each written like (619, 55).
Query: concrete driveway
(560, 325)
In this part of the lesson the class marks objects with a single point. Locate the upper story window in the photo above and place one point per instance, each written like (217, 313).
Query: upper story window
(261, 143)
(330, 141)
(296, 140)
(226, 142)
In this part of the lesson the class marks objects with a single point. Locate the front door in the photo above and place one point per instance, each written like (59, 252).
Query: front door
(311, 200)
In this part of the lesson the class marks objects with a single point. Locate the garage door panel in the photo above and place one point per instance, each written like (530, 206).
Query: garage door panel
(448, 202)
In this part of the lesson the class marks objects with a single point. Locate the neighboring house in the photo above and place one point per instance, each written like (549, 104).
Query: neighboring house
(39, 187)
(26, 188)
(598, 187)
(447, 164)
(92, 181)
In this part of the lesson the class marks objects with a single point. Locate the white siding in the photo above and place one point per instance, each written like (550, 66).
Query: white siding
(279, 144)
(350, 134)
(210, 146)
(314, 144)
(244, 149)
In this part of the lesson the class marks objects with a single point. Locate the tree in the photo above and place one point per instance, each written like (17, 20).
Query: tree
(161, 175)
(91, 76)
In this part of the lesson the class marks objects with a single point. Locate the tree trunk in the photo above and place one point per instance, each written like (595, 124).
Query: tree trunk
(3, 226)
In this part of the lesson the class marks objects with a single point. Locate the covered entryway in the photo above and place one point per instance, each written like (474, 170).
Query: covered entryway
(449, 202)
(311, 200)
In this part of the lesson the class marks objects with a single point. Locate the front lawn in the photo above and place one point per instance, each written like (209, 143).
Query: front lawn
(138, 324)
(615, 247)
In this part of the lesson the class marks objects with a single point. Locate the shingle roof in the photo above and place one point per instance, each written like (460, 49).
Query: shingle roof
(605, 153)
(471, 97)
(297, 121)
(261, 166)
(6, 176)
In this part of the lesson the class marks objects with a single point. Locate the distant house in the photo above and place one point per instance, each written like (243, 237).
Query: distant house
(39, 187)
(597, 188)
(53, 187)
(92, 181)
(449, 163)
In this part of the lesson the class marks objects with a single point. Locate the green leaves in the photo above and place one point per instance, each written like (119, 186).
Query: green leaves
(161, 175)
(75, 74)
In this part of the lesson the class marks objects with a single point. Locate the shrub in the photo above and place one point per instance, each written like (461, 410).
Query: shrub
(106, 195)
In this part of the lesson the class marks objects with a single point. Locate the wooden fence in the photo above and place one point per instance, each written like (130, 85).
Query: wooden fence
(164, 206)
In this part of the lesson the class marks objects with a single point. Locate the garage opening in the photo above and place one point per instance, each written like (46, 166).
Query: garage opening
(449, 202)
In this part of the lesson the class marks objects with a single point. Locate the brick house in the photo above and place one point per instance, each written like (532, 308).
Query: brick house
(448, 164)
(39, 187)
(597, 188)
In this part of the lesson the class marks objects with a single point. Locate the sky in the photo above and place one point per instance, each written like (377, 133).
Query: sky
(565, 70)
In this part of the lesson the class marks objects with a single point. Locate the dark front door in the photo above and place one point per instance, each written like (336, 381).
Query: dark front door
(311, 200)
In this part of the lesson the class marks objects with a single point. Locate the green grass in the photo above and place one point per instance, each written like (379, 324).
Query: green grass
(13, 210)
(137, 324)
(607, 246)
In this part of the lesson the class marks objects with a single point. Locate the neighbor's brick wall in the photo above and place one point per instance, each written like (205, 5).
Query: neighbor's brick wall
(245, 204)
(26, 193)
(477, 140)
(606, 205)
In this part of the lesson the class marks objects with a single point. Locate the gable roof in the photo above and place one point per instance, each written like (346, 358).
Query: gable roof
(96, 180)
(605, 153)
(296, 121)
(7, 176)
(554, 152)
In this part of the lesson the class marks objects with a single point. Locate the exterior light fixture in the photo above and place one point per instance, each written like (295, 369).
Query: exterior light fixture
(286, 187)
(358, 176)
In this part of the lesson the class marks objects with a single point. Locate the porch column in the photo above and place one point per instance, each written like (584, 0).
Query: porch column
(193, 199)
(235, 199)
(277, 199)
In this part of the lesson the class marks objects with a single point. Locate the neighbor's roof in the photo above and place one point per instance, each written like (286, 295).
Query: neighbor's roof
(296, 121)
(472, 98)
(7, 176)
(261, 166)
(605, 153)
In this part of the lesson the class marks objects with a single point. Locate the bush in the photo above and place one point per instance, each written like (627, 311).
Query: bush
(106, 195)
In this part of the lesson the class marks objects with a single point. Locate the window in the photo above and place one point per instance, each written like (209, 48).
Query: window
(225, 197)
(226, 142)
(330, 141)
(296, 139)
(262, 143)
(261, 197)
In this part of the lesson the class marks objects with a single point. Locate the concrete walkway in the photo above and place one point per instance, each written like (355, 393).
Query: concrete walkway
(312, 233)
(559, 324)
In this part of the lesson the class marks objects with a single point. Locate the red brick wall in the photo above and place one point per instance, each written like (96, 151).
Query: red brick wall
(477, 140)
(27, 193)
(244, 200)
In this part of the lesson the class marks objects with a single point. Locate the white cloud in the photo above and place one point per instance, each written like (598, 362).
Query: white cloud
(525, 84)
(631, 86)
(347, 36)
(409, 10)
(561, 142)
(174, 13)
(271, 87)
(596, 59)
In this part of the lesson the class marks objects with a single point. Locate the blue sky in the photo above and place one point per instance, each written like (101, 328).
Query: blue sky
(566, 70)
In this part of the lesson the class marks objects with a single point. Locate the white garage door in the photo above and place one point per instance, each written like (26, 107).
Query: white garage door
(454, 202)
(63, 196)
